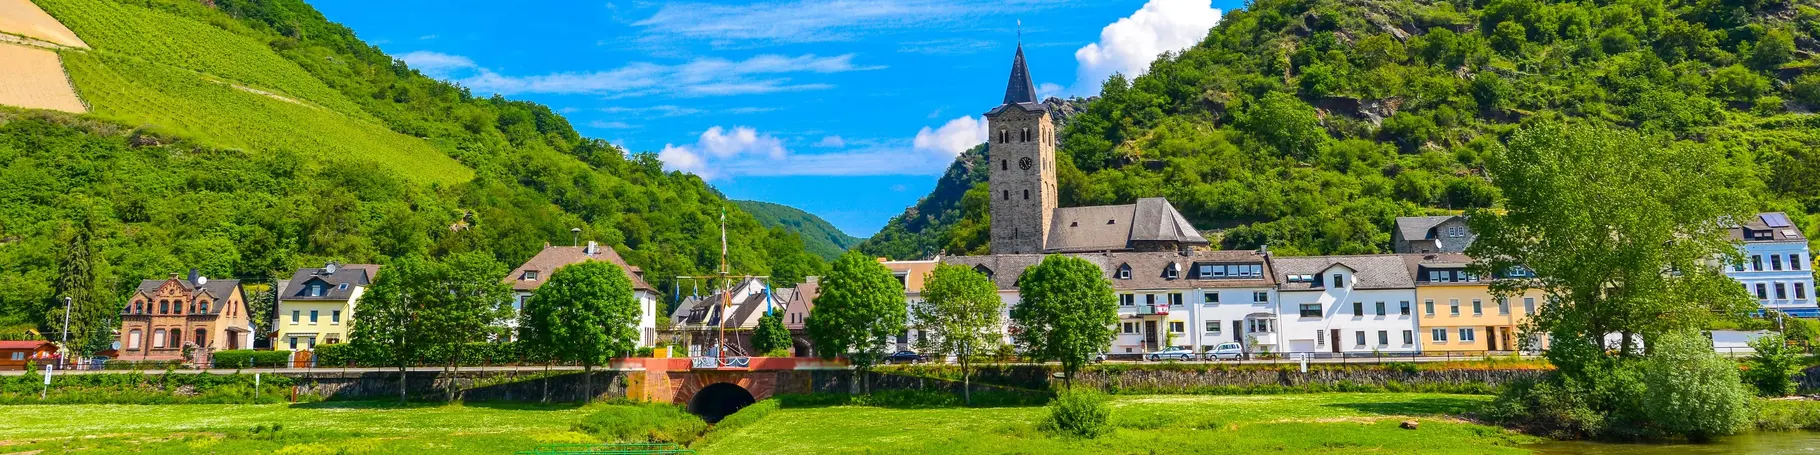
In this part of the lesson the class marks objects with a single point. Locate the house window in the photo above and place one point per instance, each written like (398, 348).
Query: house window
(1150, 299)
(1207, 271)
(1428, 307)
(1756, 263)
(19, 356)
(342, 286)
(1466, 335)
(1338, 281)
(1213, 328)
(1124, 272)
(1762, 291)
(1358, 309)
(312, 316)
(1409, 337)
(1800, 290)
(1781, 291)
(1130, 328)
(1260, 296)
(1175, 299)
(158, 338)
(1177, 326)
(1383, 338)
(1127, 300)
(1503, 305)
(1775, 262)
(133, 337)
(1211, 298)
(1529, 305)
(1320, 339)
(1171, 272)
(1453, 306)
(1359, 336)
(1438, 335)
(293, 343)
(1478, 308)
(164, 307)
(295, 315)
(315, 289)
(334, 316)
(1403, 308)
(1739, 267)
(1259, 325)
(1794, 262)
(1311, 310)
(1380, 308)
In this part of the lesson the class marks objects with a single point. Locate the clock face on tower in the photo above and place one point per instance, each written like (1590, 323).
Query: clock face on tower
(1025, 163)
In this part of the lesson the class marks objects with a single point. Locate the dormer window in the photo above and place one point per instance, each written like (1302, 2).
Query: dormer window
(1206, 271)
(1339, 281)
(1124, 272)
(983, 271)
(529, 275)
(342, 286)
(315, 289)
(1172, 272)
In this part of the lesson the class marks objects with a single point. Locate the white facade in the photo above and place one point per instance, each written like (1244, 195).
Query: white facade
(1778, 275)
(1347, 319)
(647, 315)
(1198, 318)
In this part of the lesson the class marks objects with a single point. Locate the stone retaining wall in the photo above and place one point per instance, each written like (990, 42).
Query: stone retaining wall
(1167, 381)
(521, 385)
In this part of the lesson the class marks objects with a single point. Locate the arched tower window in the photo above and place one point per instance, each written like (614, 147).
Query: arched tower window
(1004, 165)
(1007, 195)
(1026, 136)
(1026, 195)
(164, 307)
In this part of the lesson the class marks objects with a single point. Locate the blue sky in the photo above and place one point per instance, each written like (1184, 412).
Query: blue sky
(850, 109)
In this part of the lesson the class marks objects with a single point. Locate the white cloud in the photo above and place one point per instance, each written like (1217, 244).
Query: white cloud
(602, 124)
(741, 141)
(832, 141)
(805, 21)
(683, 159)
(436, 64)
(698, 77)
(1129, 45)
(953, 137)
(1047, 89)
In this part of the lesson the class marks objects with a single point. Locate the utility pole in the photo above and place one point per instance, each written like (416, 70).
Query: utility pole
(66, 335)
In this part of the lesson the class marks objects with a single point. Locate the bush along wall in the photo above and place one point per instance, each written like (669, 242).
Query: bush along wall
(139, 388)
(247, 358)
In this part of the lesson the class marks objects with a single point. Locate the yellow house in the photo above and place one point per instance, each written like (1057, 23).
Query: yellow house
(317, 305)
(1458, 311)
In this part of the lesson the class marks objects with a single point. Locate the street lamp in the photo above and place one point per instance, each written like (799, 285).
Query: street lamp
(66, 320)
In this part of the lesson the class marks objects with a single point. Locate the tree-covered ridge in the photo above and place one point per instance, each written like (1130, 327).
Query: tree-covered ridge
(1309, 125)
(819, 237)
(170, 200)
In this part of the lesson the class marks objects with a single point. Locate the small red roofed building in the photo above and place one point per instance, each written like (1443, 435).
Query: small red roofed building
(15, 355)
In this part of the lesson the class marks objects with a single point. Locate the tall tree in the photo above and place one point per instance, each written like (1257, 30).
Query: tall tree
(470, 302)
(586, 313)
(1067, 313)
(771, 335)
(960, 312)
(390, 324)
(81, 293)
(860, 306)
(1620, 231)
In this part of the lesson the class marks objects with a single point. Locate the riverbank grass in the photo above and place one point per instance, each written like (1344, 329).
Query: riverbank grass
(1319, 423)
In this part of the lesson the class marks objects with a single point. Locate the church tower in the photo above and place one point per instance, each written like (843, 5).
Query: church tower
(1021, 146)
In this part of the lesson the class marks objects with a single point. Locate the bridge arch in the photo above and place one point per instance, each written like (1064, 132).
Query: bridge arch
(719, 400)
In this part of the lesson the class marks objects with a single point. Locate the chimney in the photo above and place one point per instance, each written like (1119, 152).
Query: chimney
(194, 275)
(593, 248)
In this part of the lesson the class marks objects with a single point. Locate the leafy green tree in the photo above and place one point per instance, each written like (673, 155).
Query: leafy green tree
(1692, 390)
(1807, 90)
(81, 291)
(1066, 313)
(861, 304)
(471, 303)
(1285, 123)
(390, 324)
(586, 313)
(1773, 365)
(961, 313)
(771, 335)
(1776, 47)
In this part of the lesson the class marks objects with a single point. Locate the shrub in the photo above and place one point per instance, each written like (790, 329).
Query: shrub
(247, 358)
(1692, 391)
(1773, 366)
(1807, 90)
(745, 416)
(1082, 413)
(338, 354)
(643, 423)
(1788, 415)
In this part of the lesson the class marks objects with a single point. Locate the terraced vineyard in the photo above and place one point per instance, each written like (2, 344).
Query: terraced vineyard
(183, 77)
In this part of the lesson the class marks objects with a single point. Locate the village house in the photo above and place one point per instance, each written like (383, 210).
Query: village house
(1776, 268)
(1460, 313)
(317, 304)
(528, 277)
(699, 319)
(1431, 234)
(1346, 304)
(15, 355)
(163, 316)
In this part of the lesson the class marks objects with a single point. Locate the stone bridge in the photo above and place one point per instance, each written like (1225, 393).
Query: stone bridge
(714, 388)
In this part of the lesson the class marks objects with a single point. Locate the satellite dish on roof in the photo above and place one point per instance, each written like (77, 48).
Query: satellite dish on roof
(202, 280)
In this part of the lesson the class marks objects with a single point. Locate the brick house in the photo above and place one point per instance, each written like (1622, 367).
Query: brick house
(163, 316)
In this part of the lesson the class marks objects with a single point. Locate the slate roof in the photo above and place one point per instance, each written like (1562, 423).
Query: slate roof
(705, 310)
(554, 257)
(1114, 227)
(1414, 263)
(1761, 224)
(1019, 89)
(1419, 227)
(353, 275)
(1147, 268)
(220, 289)
(1378, 271)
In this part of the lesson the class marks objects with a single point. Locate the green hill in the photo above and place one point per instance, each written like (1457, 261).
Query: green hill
(249, 137)
(819, 237)
(1309, 125)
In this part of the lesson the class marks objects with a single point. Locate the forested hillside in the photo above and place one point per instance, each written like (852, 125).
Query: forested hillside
(819, 237)
(1309, 125)
(249, 137)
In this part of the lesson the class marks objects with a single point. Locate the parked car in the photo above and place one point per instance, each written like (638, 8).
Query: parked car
(1098, 357)
(1170, 353)
(905, 357)
(1233, 351)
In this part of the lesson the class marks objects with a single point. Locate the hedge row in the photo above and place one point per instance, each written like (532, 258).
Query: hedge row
(473, 354)
(139, 388)
(247, 358)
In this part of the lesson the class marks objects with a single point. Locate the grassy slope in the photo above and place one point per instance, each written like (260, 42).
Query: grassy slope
(1326, 423)
(818, 235)
(179, 76)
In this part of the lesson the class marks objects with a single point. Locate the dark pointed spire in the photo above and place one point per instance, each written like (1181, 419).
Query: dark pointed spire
(1020, 90)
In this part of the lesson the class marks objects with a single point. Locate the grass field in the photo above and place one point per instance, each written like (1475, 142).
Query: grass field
(1323, 423)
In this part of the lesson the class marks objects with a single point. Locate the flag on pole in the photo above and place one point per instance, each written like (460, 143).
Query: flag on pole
(769, 296)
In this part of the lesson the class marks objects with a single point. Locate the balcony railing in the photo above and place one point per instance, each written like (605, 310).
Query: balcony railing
(1156, 309)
